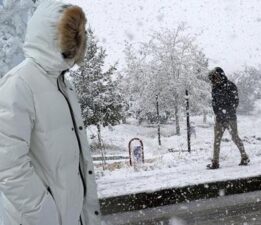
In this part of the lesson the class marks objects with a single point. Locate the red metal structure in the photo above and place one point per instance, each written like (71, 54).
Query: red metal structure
(130, 152)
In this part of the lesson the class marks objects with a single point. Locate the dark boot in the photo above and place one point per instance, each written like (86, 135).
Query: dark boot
(244, 161)
(213, 165)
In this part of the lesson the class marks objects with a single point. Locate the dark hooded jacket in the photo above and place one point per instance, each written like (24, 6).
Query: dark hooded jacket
(225, 100)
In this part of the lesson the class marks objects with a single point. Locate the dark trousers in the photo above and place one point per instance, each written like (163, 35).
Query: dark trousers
(219, 130)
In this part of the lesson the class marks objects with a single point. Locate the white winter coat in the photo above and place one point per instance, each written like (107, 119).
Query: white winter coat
(45, 161)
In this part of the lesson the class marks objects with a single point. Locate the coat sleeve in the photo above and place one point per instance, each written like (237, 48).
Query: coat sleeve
(234, 95)
(214, 104)
(18, 181)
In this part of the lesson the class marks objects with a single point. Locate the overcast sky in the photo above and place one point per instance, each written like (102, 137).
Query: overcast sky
(229, 30)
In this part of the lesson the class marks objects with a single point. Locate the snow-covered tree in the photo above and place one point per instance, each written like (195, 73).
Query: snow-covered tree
(200, 89)
(14, 15)
(248, 82)
(164, 67)
(98, 92)
(133, 79)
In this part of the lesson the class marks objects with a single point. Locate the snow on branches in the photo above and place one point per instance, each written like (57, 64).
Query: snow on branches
(13, 20)
(165, 66)
(100, 99)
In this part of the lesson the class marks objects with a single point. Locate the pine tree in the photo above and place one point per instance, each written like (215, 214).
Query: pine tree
(100, 100)
(13, 20)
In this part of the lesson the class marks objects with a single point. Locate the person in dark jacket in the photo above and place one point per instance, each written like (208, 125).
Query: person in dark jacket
(225, 102)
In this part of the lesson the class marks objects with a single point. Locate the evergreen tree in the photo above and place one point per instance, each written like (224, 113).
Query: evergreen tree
(100, 99)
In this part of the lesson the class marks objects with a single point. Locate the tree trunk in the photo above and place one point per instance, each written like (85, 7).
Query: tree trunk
(204, 117)
(102, 149)
(124, 120)
(99, 136)
(158, 120)
(177, 119)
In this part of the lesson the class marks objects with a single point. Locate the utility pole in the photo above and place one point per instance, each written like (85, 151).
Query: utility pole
(158, 118)
(188, 121)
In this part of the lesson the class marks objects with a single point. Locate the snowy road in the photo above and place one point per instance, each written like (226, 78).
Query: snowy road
(243, 209)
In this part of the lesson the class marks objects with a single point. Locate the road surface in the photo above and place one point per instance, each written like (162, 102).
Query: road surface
(242, 209)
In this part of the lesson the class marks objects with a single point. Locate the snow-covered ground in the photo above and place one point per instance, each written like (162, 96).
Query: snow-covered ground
(165, 169)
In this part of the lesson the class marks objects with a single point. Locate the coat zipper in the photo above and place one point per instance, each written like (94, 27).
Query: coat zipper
(76, 134)
(81, 220)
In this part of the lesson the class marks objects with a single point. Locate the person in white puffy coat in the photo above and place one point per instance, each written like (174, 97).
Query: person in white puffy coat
(46, 169)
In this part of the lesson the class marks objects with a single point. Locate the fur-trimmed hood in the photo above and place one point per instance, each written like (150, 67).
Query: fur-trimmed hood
(55, 37)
